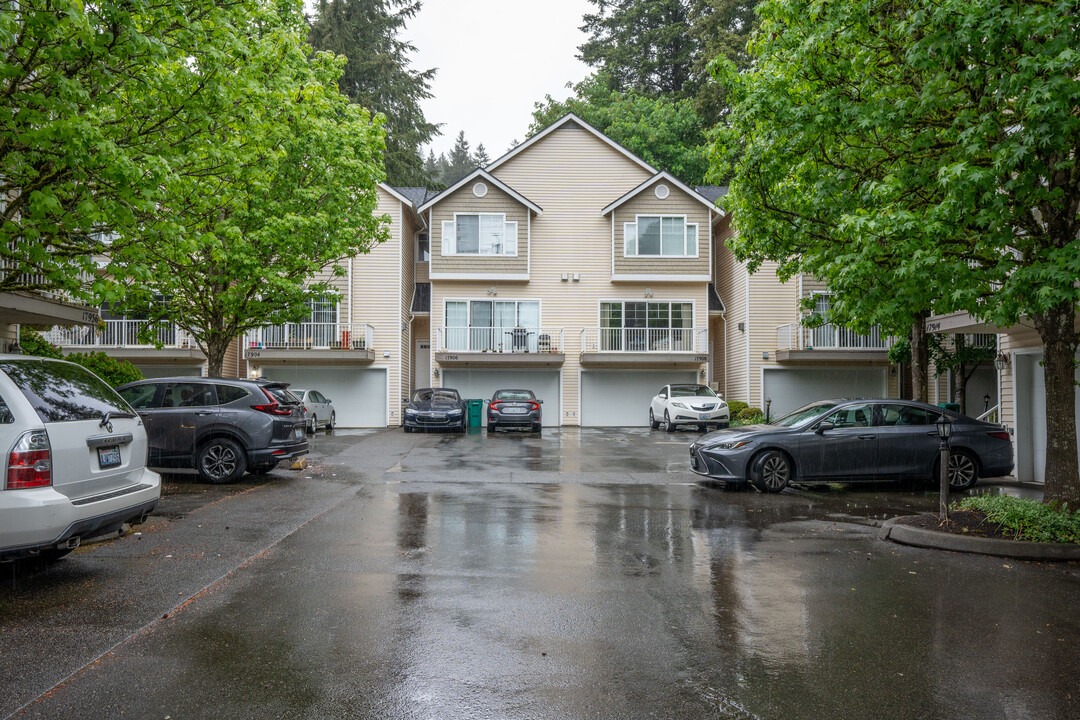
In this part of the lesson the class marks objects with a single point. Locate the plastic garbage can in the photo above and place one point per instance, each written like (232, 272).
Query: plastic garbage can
(955, 407)
(476, 412)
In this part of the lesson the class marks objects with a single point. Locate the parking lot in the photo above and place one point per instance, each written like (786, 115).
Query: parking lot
(579, 573)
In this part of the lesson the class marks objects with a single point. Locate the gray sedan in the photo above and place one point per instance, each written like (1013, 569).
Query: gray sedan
(851, 441)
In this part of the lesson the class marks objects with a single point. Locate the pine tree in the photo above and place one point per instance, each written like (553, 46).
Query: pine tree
(481, 158)
(721, 28)
(378, 75)
(642, 45)
(460, 163)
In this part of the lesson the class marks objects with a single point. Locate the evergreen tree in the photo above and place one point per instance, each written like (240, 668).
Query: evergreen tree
(378, 75)
(722, 29)
(460, 163)
(642, 45)
(481, 158)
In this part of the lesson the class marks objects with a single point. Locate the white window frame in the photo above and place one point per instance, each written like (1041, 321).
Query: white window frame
(510, 229)
(693, 309)
(630, 241)
(468, 314)
(416, 247)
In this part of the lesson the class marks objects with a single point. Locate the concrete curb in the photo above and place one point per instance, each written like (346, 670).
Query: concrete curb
(1016, 549)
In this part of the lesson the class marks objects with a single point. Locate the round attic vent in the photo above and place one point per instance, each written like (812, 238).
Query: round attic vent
(662, 192)
(479, 189)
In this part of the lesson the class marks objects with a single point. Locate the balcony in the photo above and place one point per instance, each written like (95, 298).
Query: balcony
(129, 340)
(830, 342)
(501, 346)
(330, 343)
(644, 347)
(41, 307)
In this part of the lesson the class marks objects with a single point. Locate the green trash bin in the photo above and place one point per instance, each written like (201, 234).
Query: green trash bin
(955, 407)
(476, 412)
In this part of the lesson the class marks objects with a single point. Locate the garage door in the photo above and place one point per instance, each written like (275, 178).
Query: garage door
(791, 388)
(1031, 417)
(160, 371)
(620, 398)
(484, 383)
(359, 395)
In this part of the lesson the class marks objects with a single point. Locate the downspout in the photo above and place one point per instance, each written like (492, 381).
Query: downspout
(723, 318)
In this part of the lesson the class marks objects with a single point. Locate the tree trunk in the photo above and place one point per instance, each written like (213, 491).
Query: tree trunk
(960, 376)
(1057, 328)
(920, 360)
(216, 347)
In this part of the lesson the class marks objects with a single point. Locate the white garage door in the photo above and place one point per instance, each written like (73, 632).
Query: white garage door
(484, 383)
(160, 371)
(1031, 417)
(620, 398)
(359, 395)
(791, 388)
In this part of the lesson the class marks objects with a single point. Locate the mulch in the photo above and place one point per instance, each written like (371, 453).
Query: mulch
(960, 522)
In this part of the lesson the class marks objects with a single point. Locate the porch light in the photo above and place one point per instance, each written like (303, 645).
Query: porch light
(986, 402)
(648, 292)
(944, 427)
(1001, 361)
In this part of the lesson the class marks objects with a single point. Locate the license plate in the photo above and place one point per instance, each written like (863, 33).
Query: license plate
(108, 457)
(514, 411)
(298, 433)
(703, 416)
(693, 462)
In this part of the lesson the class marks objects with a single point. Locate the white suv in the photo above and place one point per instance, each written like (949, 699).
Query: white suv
(74, 459)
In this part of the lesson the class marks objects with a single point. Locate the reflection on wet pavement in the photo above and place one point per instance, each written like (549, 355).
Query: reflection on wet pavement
(446, 600)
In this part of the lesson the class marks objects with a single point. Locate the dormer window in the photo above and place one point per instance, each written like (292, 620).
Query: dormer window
(479, 234)
(660, 236)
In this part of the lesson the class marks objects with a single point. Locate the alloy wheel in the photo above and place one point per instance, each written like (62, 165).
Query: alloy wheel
(961, 470)
(775, 472)
(219, 461)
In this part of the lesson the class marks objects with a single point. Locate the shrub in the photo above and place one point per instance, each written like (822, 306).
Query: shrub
(1027, 519)
(33, 344)
(748, 413)
(737, 406)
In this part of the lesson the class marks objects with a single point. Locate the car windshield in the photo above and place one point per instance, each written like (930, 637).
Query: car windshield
(513, 395)
(433, 395)
(691, 391)
(63, 392)
(805, 413)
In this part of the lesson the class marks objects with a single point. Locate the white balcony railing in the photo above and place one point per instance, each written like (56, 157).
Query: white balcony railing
(794, 336)
(121, 334)
(500, 340)
(645, 340)
(981, 340)
(313, 336)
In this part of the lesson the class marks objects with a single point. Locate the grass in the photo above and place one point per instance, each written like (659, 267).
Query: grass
(1027, 519)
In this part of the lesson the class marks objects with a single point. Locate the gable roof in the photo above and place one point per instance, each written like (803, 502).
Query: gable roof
(712, 192)
(417, 195)
(568, 118)
(396, 193)
(663, 175)
(482, 173)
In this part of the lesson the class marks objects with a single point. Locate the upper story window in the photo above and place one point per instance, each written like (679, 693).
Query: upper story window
(660, 236)
(479, 234)
(423, 248)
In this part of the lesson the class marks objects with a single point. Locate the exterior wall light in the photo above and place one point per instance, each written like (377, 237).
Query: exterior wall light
(1001, 361)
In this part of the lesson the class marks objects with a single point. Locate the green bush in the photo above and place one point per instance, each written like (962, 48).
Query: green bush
(113, 371)
(748, 413)
(1027, 519)
(737, 406)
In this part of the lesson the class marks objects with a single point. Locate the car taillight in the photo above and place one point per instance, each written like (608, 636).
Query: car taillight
(273, 407)
(535, 406)
(495, 404)
(999, 434)
(30, 461)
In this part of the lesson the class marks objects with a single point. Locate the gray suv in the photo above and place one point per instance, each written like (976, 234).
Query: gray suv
(220, 427)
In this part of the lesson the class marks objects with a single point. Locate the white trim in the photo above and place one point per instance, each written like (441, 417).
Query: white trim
(746, 333)
(480, 189)
(479, 276)
(396, 195)
(693, 303)
(401, 312)
(663, 175)
(662, 217)
(647, 277)
(416, 247)
(613, 246)
(528, 241)
(480, 172)
(479, 222)
(387, 409)
(568, 118)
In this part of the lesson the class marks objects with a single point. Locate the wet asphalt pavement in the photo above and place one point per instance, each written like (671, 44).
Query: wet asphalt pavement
(581, 574)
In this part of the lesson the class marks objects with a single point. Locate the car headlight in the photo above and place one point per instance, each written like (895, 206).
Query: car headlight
(680, 405)
(410, 411)
(729, 445)
(454, 412)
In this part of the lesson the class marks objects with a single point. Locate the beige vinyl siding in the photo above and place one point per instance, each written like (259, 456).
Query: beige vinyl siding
(408, 284)
(772, 304)
(230, 365)
(420, 271)
(729, 364)
(464, 201)
(376, 288)
(573, 175)
(676, 203)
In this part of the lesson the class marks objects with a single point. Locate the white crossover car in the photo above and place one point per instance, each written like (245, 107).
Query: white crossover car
(318, 410)
(696, 405)
(74, 459)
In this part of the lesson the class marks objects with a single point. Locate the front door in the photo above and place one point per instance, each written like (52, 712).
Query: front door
(422, 362)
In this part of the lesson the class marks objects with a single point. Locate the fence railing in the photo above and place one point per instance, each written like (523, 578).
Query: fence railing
(794, 336)
(121, 334)
(981, 340)
(500, 339)
(991, 415)
(645, 340)
(313, 336)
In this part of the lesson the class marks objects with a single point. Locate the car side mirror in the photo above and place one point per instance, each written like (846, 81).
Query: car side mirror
(540, 402)
(823, 427)
(663, 396)
(328, 400)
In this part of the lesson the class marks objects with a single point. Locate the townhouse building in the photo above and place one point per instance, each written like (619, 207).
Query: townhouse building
(39, 309)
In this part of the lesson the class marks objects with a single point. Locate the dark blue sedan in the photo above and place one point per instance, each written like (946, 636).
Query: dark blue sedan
(439, 408)
(853, 441)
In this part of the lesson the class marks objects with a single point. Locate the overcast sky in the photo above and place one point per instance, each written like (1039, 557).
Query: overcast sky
(495, 59)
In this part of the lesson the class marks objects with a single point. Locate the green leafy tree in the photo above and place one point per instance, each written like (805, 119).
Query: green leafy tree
(949, 353)
(378, 75)
(665, 132)
(95, 100)
(642, 45)
(248, 228)
(918, 154)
